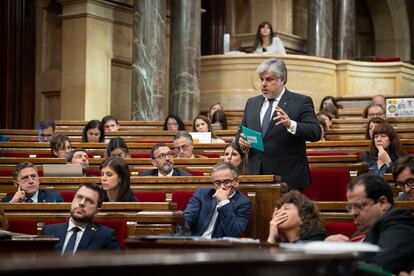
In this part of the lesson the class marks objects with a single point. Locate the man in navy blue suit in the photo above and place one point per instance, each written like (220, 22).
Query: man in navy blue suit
(220, 211)
(163, 160)
(26, 180)
(80, 233)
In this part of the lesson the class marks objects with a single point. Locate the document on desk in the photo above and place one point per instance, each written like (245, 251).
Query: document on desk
(331, 247)
(254, 137)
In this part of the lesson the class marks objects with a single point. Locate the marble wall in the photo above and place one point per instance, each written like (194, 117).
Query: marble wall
(231, 80)
(149, 91)
(84, 56)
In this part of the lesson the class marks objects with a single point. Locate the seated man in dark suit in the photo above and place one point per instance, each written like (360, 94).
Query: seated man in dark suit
(403, 173)
(79, 156)
(162, 158)
(46, 129)
(80, 233)
(371, 204)
(26, 180)
(220, 211)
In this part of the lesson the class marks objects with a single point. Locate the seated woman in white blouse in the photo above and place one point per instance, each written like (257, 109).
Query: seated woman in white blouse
(266, 41)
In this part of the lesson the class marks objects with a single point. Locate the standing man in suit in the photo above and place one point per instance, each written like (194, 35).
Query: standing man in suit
(26, 180)
(220, 211)
(286, 120)
(80, 233)
(162, 158)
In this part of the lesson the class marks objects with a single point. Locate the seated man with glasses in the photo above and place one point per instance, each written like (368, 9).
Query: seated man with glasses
(403, 174)
(374, 110)
(371, 204)
(80, 233)
(162, 158)
(219, 211)
(26, 180)
(46, 129)
(183, 145)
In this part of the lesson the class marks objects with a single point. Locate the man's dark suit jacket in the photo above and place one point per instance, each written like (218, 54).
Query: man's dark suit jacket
(154, 172)
(231, 220)
(284, 153)
(394, 233)
(43, 196)
(95, 237)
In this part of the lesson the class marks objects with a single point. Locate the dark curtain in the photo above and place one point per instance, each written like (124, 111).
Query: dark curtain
(17, 63)
(212, 26)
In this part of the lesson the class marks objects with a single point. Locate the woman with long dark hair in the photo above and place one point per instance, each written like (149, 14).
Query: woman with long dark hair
(93, 132)
(266, 41)
(174, 123)
(116, 180)
(384, 150)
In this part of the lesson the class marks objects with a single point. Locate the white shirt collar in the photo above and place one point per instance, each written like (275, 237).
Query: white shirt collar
(169, 174)
(277, 99)
(35, 197)
(72, 225)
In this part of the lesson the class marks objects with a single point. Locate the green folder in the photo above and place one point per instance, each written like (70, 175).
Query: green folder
(254, 137)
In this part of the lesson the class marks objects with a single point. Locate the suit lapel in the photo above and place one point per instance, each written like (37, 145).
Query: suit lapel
(211, 208)
(41, 196)
(87, 236)
(283, 103)
(257, 105)
(61, 235)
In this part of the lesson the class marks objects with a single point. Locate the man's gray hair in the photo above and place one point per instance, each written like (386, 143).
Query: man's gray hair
(224, 166)
(275, 66)
(185, 134)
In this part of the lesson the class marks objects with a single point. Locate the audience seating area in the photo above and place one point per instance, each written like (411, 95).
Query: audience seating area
(333, 164)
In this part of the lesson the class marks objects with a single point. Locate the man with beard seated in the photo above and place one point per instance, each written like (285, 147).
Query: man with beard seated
(80, 233)
(162, 158)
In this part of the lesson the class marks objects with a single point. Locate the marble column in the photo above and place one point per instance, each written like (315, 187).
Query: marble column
(345, 46)
(320, 28)
(149, 93)
(185, 58)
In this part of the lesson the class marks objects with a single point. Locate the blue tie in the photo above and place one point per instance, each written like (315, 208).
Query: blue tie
(72, 240)
(266, 118)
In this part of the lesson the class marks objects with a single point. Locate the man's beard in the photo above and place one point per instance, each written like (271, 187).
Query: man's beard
(167, 168)
(84, 219)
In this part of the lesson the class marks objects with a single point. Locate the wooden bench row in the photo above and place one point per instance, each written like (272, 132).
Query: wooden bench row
(335, 133)
(144, 218)
(233, 123)
(351, 162)
(262, 190)
(349, 146)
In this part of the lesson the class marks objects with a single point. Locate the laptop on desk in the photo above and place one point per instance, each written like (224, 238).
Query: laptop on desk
(53, 170)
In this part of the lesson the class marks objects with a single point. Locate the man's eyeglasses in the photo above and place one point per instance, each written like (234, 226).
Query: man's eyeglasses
(225, 182)
(371, 115)
(163, 156)
(182, 148)
(356, 206)
(408, 182)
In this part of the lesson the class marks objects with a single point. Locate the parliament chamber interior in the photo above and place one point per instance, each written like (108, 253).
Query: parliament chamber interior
(148, 105)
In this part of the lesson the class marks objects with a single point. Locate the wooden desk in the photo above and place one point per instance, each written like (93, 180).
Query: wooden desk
(28, 245)
(140, 242)
(264, 189)
(143, 218)
(217, 262)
